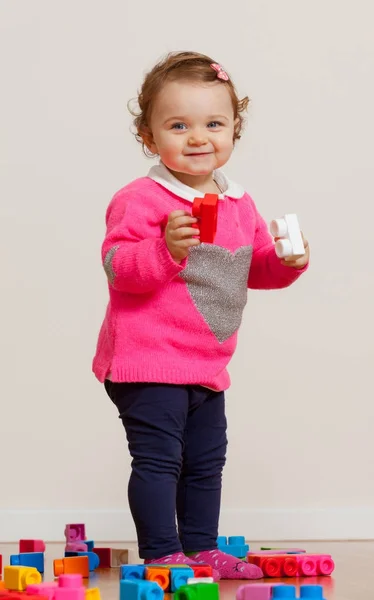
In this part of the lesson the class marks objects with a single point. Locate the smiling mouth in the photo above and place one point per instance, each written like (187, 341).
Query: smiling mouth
(199, 154)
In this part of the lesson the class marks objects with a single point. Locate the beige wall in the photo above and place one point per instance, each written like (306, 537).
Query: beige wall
(300, 409)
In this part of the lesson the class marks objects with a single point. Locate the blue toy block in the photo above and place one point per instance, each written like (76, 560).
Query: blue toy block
(93, 559)
(235, 545)
(179, 576)
(90, 545)
(140, 590)
(221, 541)
(284, 591)
(28, 559)
(132, 572)
(314, 592)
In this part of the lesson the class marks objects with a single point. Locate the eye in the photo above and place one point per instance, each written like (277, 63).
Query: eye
(215, 124)
(178, 126)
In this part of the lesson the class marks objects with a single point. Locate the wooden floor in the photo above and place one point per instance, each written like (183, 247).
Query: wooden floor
(353, 578)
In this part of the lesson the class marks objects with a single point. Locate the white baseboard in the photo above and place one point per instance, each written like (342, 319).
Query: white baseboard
(256, 525)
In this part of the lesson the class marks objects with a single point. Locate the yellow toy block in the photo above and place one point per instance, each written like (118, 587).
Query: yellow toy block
(92, 594)
(18, 578)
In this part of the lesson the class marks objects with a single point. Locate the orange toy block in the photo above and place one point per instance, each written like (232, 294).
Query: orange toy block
(160, 576)
(2, 585)
(72, 565)
(206, 209)
(18, 578)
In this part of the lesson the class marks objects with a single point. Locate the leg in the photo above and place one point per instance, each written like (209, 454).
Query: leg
(199, 488)
(154, 418)
(200, 484)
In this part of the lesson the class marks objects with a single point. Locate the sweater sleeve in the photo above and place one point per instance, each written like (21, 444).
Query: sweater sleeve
(134, 252)
(266, 270)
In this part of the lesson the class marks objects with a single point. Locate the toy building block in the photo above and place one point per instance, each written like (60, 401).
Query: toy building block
(90, 546)
(287, 565)
(202, 570)
(73, 565)
(18, 578)
(283, 550)
(291, 242)
(31, 546)
(119, 557)
(70, 587)
(306, 591)
(105, 557)
(206, 210)
(256, 591)
(160, 576)
(199, 591)
(180, 577)
(75, 532)
(46, 589)
(140, 590)
(29, 559)
(93, 559)
(132, 572)
(235, 545)
(76, 547)
(92, 594)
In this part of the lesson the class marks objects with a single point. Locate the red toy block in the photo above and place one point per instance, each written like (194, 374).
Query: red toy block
(31, 546)
(296, 565)
(202, 570)
(206, 210)
(105, 556)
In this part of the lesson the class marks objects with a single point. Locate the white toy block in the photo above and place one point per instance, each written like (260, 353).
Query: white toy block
(192, 580)
(288, 229)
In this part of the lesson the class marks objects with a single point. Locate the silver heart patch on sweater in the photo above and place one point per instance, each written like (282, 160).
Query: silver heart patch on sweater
(217, 281)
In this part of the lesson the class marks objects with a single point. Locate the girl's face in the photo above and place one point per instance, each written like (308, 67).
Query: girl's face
(192, 127)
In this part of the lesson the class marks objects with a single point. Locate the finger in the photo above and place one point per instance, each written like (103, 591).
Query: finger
(177, 213)
(184, 232)
(182, 221)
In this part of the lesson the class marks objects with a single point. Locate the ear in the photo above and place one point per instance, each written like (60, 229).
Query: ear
(148, 140)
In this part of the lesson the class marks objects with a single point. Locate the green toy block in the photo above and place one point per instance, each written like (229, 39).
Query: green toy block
(198, 591)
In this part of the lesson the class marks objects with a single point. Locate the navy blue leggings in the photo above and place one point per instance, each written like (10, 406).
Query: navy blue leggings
(177, 439)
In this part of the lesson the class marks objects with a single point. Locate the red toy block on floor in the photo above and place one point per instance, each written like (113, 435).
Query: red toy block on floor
(206, 209)
(202, 570)
(105, 556)
(31, 546)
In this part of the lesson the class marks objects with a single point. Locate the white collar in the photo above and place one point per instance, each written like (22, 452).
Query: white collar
(164, 177)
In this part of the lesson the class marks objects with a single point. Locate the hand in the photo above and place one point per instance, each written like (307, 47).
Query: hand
(297, 263)
(179, 234)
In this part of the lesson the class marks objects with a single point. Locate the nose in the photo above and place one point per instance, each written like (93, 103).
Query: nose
(198, 138)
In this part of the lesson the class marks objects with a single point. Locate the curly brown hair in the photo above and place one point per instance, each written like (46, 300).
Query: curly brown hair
(187, 66)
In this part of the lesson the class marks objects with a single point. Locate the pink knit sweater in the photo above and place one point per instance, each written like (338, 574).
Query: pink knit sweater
(178, 323)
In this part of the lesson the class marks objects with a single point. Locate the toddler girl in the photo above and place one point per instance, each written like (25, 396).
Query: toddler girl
(175, 307)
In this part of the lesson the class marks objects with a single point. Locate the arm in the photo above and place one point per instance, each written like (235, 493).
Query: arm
(134, 252)
(267, 272)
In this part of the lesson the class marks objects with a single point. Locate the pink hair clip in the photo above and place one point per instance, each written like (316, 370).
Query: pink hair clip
(221, 73)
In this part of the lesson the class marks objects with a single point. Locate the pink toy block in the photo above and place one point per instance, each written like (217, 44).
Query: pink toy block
(70, 587)
(31, 546)
(76, 547)
(311, 565)
(75, 532)
(46, 589)
(255, 591)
